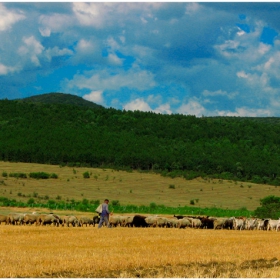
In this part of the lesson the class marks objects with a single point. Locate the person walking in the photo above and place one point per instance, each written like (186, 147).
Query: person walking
(104, 216)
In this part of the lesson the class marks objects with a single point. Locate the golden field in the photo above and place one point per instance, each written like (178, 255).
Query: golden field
(47, 251)
(130, 187)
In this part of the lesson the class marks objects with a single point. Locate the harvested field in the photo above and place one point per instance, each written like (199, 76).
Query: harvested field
(31, 251)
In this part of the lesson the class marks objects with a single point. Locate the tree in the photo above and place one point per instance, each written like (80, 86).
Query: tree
(270, 208)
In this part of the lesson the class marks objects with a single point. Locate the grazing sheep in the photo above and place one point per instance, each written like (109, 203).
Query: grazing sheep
(3, 219)
(71, 220)
(86, 221)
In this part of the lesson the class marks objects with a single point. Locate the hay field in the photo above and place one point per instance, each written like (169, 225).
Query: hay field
(36, 251)
(130, 187)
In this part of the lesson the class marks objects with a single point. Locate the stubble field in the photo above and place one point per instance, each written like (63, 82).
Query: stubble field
(36, 251)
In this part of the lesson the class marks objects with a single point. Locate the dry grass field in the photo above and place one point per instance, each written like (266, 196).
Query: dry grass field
(37, 251)
(130, 187)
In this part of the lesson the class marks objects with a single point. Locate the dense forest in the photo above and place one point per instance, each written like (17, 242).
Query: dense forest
(53, 132)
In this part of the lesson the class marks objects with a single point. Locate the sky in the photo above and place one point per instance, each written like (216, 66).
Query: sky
(191, 58)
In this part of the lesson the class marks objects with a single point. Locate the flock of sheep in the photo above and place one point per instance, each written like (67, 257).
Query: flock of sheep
(240, 223)
(235, 223)
(46, 219)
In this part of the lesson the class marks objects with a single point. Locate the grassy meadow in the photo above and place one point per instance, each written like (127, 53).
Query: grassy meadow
(129, 188)
(31, 251)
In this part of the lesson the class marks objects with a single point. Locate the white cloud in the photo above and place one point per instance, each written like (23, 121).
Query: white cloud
(103, 80)
(94, 96)
(4, 70)
(163, 109)
(220, 93)
(137, 104)
(154, 99)
(192, 8)
(55, 52)
(54, 23)
(8, 18)
(90, 14)
(258, 81)
(193, 107)
(85, 45)
(32, 48)
(246, 48)
(245, 112)
(99, 15)
(114, 59)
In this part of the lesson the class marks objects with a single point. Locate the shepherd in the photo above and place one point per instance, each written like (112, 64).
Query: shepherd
(104, 216)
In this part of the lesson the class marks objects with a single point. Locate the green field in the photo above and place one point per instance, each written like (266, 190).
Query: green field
(129, 188)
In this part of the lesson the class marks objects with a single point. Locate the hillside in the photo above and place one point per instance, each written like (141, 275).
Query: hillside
(243, 149)
(129, 188)
(61, 98)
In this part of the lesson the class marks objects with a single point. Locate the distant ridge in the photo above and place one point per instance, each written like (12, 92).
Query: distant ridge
(61, 98)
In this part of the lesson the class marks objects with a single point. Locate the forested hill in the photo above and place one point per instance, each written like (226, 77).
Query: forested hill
(224, 147)
(60, 98)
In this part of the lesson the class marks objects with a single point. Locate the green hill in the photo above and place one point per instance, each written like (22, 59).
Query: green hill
(61, 98)
(174, 145)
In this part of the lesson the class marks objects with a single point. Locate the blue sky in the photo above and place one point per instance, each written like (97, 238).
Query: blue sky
(200, 58)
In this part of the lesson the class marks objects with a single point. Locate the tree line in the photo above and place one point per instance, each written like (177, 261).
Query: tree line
(236, 148)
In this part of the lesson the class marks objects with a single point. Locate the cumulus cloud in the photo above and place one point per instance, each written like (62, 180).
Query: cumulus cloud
(4, 70)
(90, 14)
(193, 107)
(219, 93)
(31, 48)
(245, 112)
(114, 59)
(104, 80)
(55, 52)
(54, 23)
(94, 96)
(164, 109)
(9, 17)
(137, 105)
(189, 58)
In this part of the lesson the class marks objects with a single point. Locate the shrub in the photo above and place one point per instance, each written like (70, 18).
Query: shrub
(85, 201)
(153, 205)
(192, 202)
(18, 175)
(4, 174)
(116, 203)
(53, 176)
(171, 186)
(31, 201)
(95, 202)
(86, 174)
(39, 175)
(51, 201)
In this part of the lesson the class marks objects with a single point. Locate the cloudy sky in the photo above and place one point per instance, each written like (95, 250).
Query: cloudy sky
(203, 59)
